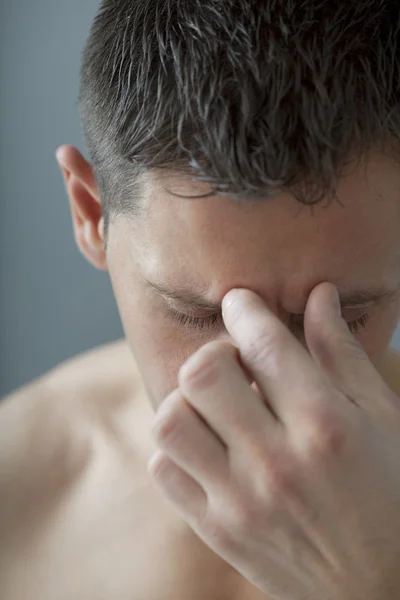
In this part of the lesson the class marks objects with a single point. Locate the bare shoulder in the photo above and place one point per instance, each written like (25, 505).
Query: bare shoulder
(78, 514)
(48, 428)
(75, 498)
(102, 375)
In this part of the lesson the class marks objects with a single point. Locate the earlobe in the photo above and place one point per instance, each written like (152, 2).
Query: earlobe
(91, 245)
(92, 239)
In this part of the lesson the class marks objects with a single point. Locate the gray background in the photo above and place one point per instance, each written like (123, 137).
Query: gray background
(53, 304)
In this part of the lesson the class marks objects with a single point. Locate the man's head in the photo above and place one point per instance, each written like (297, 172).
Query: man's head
(210, 126)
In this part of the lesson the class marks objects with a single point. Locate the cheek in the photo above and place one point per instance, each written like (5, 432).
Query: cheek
(159, 346)
(160, 351)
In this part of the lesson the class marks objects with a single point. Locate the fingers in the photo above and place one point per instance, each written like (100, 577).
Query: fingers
(283, 370)
(342, 357)
(214, 383)
(189, 442)
(181, 490)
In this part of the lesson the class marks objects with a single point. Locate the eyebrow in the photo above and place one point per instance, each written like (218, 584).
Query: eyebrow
(197, 300)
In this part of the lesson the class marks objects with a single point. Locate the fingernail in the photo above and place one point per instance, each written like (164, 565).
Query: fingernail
(230, 299)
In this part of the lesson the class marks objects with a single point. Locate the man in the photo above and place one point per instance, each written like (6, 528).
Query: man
(211, 125)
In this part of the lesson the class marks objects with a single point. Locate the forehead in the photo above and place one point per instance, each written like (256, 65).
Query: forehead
(275, 246)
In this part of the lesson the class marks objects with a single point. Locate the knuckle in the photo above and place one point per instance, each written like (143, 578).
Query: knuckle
(161, 466)
(169, 424)
(325, 437)
(236, 517)
(204, 367)
(243, 518)
(277, 481)
(222, 536)
(218, 530)
(265, 348)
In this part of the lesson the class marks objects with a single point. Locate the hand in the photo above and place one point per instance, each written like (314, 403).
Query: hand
(296, 484)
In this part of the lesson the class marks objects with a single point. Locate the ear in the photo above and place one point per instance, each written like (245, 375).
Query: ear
(85, 205)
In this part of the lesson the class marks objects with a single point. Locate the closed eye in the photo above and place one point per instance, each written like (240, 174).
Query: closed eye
(215, 320)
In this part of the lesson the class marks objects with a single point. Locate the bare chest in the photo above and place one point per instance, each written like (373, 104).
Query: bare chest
(111, 538)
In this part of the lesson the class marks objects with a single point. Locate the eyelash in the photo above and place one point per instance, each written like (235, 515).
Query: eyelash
(202, 323)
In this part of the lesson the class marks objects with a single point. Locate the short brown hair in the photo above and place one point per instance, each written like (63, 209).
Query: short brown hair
(251, 96)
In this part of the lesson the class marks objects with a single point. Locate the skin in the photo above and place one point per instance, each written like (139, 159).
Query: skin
(298, 492)
(294, 496)
(269, 248)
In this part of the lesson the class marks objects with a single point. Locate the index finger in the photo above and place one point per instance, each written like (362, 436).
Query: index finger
(283, 369)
